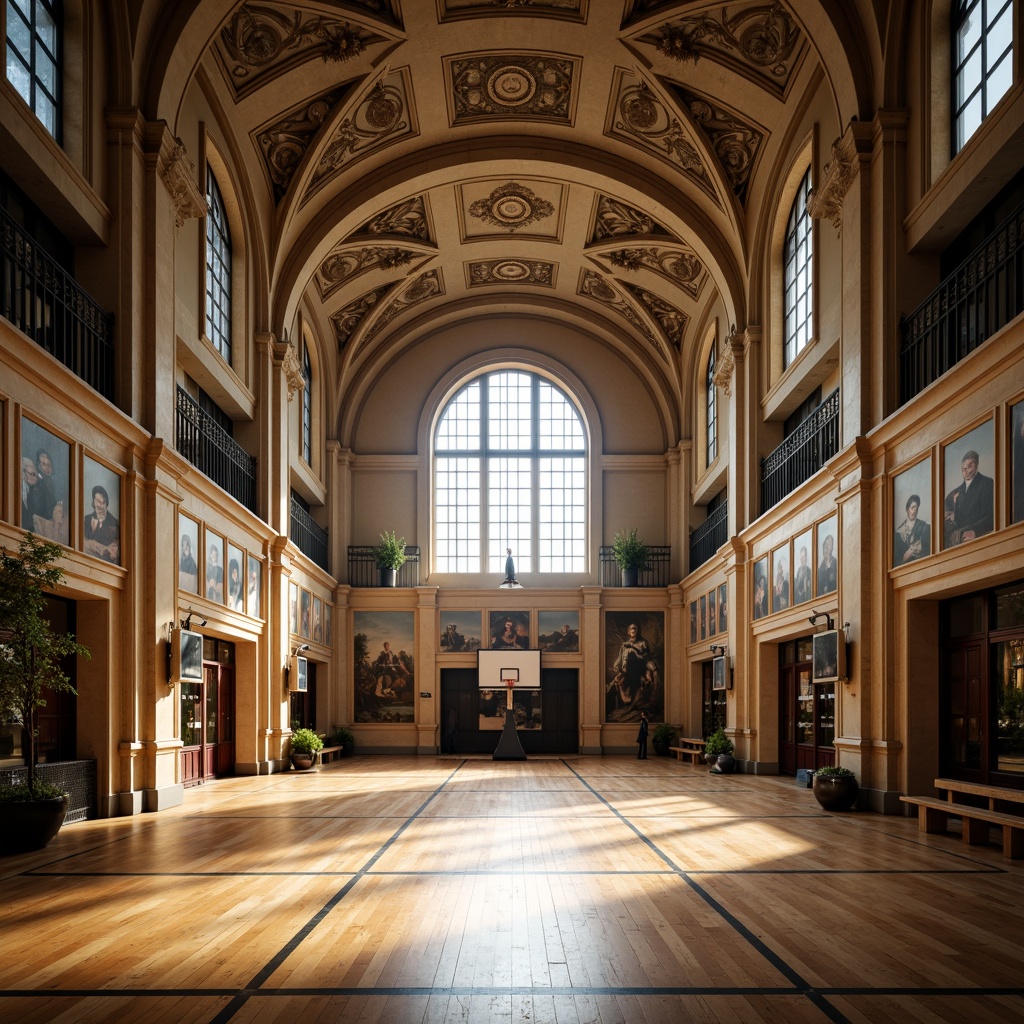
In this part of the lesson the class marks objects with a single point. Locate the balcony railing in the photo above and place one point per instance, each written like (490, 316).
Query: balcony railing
(802, 454)
(709, 536)
(45, 302)
(308, 535)
(363, 571)
(981, 296)
(213, 451)
(655, 575)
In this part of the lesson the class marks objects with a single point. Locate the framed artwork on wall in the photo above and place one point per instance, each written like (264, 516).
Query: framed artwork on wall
(760, 609)
(702, 603)
(213, 570)
(304, 613)
(509, 631)
(317, 627)
(827, 576)
(1017, 462)
(634, 645)
(693, 622)
(968, 509)
(188, 549)
(101, 499)
(253, 587)
(328, 615)
(780, 578)
(236, 579)
(723, 608)
(385, 677)
(45, 482)
(293, 607)
(803, 574)
(911, 509)
(460, 632)
(559, 632)
(712, 612)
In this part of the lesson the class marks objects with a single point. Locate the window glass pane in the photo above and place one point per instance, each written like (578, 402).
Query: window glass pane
(966, 615)
(218, 271)
(1009, 684)
(797, 273)
(509, 408)
(826, 714)
(459, 428)
(1010, 607)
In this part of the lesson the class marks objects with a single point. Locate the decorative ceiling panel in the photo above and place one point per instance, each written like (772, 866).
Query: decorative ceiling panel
(596, 287)
(510, 271)
(262, 41)
(407, 219)
(682, 267)
(452, 9)
(283, 143)
(511, 86)
(381, 117)
(533, 207)
(615, 219)
(429, 285)
(349, 318)
(639, 117)
(759, 41)
(671, 320)
(345, 263)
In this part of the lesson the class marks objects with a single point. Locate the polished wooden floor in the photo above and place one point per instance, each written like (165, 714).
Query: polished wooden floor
(553, 890)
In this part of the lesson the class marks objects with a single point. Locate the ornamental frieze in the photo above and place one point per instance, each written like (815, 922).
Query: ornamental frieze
(615, 219)
(467, 8)
(682, 267)
(511, 86)
(343, 265)
(510, 271)
(407, 219)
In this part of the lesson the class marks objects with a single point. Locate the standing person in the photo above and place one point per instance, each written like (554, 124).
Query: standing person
(641, 738)
(451, 724)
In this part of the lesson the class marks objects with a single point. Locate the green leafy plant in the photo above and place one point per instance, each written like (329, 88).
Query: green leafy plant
(305, 741)
(342, 737)
(718, 743)
(30, 651)
(390, 552)
(663, 733)
(630, 551)
(22, 794)
(835, 771)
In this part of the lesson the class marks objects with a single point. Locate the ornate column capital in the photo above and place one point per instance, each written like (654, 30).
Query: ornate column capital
(838, 175)
(179, 175)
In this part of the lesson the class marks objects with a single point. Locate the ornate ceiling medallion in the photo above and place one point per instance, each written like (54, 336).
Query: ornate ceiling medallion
(680, 266)
(511, 86)
(511, 206)
(344, 265)
(510, 271)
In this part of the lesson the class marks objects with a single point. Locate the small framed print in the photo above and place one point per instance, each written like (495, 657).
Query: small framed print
(188, 549)
(827, 579)
(559, 631)
(317, 626)
(293, 607)
(911, 508)
(253, 587)
(712, 613)
(305, 613)
(780, 578)
(214, 568)
(760, 588)
(968, 509)
(703, 602)
(236, 579)
(693, 622)
(803, 573)
(723, 608)
(101, 499)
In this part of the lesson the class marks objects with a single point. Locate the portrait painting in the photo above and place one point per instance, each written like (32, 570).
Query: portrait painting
(101, 500)
(1017, 462)
(328, 615)
(969, 502)
(634, 658)
(253, 587)
(911, 510)
(45, 482)
(559, 632)
(317, 626)
(235, 585)
(803, 567)
(780, 578)
(693, 622)
(305, 613)
(188, 552)
(760, 609)
(712, 613)
(509, 631)
(460, 632)
(702, 604)
(385, 677)
(293, 608)
(723, 608)
(213, 569)
(827, 576)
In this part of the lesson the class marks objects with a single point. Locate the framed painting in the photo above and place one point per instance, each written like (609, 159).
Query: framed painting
(1017, 462)
(253, 587)
(328, 615)
(723, 608)
(803, 573)
(559, 632)
(702, 604)
(101, 499)
(45, 482)
(780, 578)
(634, 657)
(236, 579)
(712, 613)
(317, 626)
(305, 613)
(385, 676)
(693, 622)
(911, 510)
(460, 632)
(213, 570)
(293, 608)
(188, 549)
(827, 576)
(968, 509)
(760, 609)
(509, 631)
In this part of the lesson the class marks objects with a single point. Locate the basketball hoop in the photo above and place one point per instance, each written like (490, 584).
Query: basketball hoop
(510, 683)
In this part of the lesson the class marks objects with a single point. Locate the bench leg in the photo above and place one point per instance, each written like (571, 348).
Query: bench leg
(975, 831)
(931, 820)
(1013, 842)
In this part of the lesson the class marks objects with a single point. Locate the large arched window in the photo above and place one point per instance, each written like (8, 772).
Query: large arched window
(510, 472)
(218, 270)
(798, 276)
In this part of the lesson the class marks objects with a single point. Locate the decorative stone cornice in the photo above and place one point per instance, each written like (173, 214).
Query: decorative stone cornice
(292, 370)
(178, 173)
(827, 199)
(726, 364)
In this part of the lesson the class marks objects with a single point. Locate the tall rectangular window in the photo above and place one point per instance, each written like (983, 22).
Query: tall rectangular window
(798, 277)
(34, 57)
(982, 35)
(307, 407)
(712, 408)
(218, 270)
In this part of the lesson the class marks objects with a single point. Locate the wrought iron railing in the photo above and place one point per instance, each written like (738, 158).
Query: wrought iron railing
(709, 536)
(655, 575)
(802, 454)
(45, 302)
(363, 571)
(308, 535)
(76, 778)
(213, 451)
(981, 296)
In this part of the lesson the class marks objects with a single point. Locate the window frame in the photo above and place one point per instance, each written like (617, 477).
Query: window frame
(798, 276)
(39, 48)
(219, 280)
(711, 408)
(306, 424)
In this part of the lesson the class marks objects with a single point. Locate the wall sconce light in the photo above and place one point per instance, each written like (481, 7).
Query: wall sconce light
(719, 649)
(829, 621)
(186, 623)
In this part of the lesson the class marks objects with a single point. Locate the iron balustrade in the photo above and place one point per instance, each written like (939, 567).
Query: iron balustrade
(363, 571)
(45, 303)
(709, 536)
(308, 535)
(980, 297)
(213, 451)
(655, 575)
(802, 454)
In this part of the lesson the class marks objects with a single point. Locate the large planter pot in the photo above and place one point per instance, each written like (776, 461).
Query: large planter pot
(303, 762)
(388, 577)
(712, 759)
(630, 577)
(31, 824)
(835, 794)
(726, 765)
(660, 747)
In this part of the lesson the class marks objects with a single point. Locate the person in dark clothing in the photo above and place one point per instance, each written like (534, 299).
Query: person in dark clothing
(641, 738)
(451, 723)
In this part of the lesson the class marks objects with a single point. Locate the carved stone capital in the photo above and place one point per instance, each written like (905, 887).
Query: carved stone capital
(725, 364)
(178, 173)
(292, 370)
(827, 199)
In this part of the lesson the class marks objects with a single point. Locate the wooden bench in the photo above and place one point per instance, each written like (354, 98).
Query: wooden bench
(689, 748)
(933, 813)
(328, 754)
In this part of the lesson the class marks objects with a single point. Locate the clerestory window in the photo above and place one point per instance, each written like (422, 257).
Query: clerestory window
(798, 276)
(307, 407)
(712, 408)
(982, 37)
(510, 471)
(34, 57)
(218, 270)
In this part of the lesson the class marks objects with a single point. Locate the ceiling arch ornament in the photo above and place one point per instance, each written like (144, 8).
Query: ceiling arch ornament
(681, 267)
(594, 286)
(345, 263)
(261, 41)
(639, 116)
(408, 219)
(510, 271)
(511, 86)
(671, 320)
(179, 175)
(757, 40)
(381, 116)
(283, 143)
(616, 219)
(825, 200)
(511, 206)
(429, 285)
(453, 9)
(735, 142)
(347, 320)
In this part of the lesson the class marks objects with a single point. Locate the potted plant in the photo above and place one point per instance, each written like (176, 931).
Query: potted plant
(390, 557)
(306, 744)
(718, 747)
(342, 737)
(662, 738)
(631, 556)
(30, 814)
(835, 788)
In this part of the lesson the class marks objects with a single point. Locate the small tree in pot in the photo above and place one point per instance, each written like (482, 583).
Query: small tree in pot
(835, 788)
(306, 744)
(662, 738)
(390, 557)
(30, 661)
(718, 747)
(632, 556)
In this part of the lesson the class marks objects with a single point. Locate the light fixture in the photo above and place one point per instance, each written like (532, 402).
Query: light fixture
(186, 623)
(719, 649)
(829, 621)
(300, 649)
